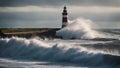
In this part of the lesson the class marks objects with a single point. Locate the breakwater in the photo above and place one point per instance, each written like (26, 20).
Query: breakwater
(29, 32)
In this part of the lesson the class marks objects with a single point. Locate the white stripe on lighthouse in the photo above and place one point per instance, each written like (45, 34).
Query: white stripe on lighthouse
(64, 23)
(65, 16)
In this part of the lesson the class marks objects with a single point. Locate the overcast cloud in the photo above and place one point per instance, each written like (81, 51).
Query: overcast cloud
(47, 13)
(59, 2)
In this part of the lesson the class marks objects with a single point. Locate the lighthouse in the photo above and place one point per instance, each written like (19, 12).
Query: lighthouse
(64, 17)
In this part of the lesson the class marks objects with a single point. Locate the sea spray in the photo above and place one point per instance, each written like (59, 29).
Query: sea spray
(79, 28)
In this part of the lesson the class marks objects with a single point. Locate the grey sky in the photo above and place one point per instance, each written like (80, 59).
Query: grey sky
(59, 2)
(47, 13)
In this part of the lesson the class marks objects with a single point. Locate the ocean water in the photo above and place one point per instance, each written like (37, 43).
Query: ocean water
(81, 47)
(59, 53)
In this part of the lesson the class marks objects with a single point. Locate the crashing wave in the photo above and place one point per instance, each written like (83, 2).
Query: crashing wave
(33, 49)
(81, 29)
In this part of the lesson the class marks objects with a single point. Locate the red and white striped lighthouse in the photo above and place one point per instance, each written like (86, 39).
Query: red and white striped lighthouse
(64, 17)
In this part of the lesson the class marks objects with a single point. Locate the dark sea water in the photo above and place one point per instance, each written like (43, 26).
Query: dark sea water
(101, 52)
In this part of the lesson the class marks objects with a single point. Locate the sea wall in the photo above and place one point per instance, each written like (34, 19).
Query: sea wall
(29, 32)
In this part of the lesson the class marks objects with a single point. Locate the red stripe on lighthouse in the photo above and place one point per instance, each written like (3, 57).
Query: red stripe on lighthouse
(65, 19)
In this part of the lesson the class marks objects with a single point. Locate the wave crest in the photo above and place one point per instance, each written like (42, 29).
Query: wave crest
(33, 49)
